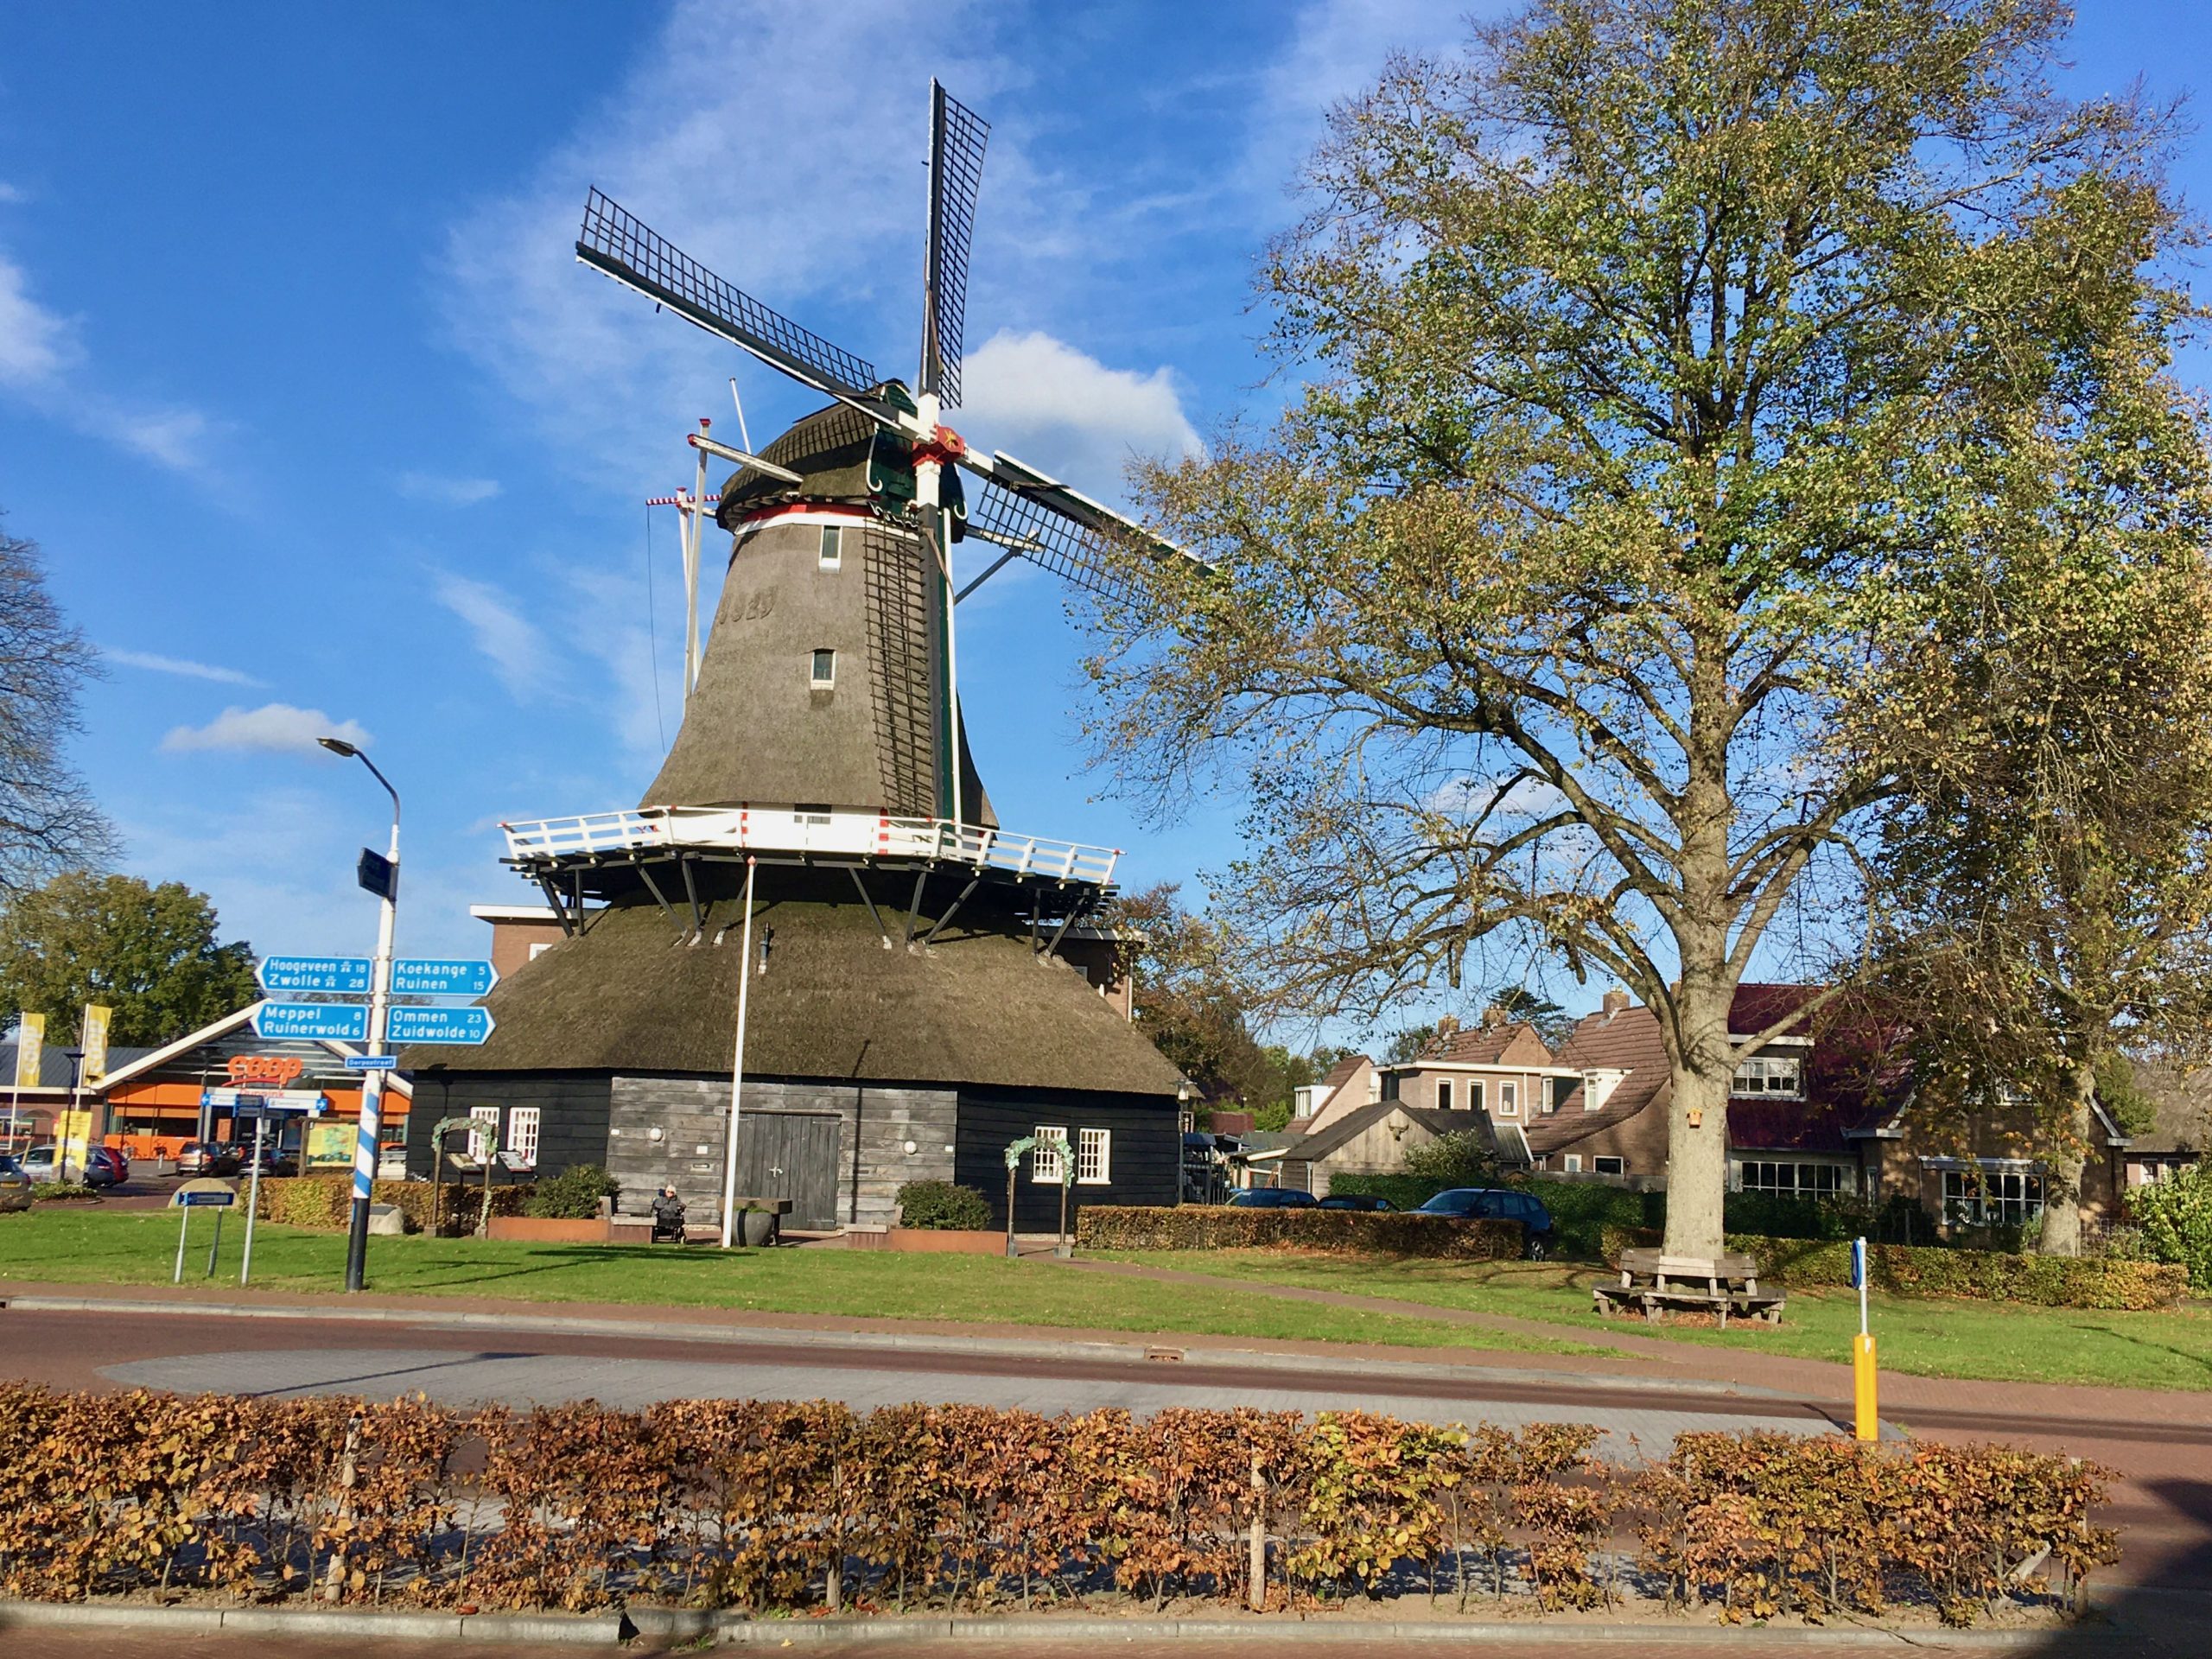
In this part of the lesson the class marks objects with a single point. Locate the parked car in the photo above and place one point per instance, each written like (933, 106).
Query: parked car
(15, 1185)
(1356, 1201)
(1496, 1204)
(1271, 1197)
(104, 1166)
(274, 1160)
(207, 1158)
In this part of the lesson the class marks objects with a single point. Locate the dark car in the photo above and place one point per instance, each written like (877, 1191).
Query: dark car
(207, 1158)
(1356, 1201)
(274, 1160)
(1271, 1197)
(15, 1185)
(1496, 1204)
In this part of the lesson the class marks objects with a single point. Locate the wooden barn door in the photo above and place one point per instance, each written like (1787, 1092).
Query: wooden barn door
(790, 1155)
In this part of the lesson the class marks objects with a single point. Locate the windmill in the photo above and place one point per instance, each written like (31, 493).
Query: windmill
(1017, 508)
(810, 958)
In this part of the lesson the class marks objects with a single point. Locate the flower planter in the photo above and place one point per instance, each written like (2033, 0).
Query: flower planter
(549, 1229)
(929, 1240)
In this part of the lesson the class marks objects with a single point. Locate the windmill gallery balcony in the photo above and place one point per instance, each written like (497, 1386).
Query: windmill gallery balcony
(801, 833)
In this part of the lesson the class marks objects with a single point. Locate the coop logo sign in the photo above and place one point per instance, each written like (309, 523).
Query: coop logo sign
(263, 1071)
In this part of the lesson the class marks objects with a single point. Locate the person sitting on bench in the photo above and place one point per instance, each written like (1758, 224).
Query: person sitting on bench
(667, 1216)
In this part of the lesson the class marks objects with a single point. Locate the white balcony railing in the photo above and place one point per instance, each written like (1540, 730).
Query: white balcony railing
(793, 830)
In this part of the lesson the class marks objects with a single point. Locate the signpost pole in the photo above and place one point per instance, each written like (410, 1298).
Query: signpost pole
(183, 1226)
(737, 1065)
(253, 1196)
(366, 1146)
(215, 1245)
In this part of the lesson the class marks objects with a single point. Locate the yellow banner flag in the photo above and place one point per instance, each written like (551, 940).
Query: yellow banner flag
(30, 1046)
(95, 1041)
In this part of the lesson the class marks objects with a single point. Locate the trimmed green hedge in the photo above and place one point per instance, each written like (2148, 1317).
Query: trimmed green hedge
(1581, 1210)
(327, 1200)
(940, 1206)
(1982, 1275)
(1354, 1232)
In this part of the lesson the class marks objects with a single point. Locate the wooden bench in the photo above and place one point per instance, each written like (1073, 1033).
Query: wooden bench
(1655, 1283)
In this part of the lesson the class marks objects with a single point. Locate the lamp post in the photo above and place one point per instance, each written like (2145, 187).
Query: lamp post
(76, 1058)
(366, 1144)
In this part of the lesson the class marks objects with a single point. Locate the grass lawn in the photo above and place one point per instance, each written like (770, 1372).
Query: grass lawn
(1926, 1336)
(86, 1245)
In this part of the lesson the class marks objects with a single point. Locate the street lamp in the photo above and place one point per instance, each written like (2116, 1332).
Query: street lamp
(381, 878)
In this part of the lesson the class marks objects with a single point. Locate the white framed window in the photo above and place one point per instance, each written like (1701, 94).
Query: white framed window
(1509, 1100)
(813, 816)
(1093, 1157)
(1991, 1198)
(1773, 1075)
(521, 1134)
(1444, 1094)
(1477, 1093)
(483, 1143)
(1045, 1160)
(833, 546)
(1571, 1162)
(1795, 1180)
(540, 949)
(824, 671)
(1603, 1166)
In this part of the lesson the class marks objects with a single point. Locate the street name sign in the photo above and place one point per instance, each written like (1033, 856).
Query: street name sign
(330, 975)
(371, 1063)
(437, 1025)
(337, 1022)
(204, 1193)
(442, 976)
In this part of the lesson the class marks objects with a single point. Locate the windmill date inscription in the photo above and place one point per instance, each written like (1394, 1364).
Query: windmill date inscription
(755, 606)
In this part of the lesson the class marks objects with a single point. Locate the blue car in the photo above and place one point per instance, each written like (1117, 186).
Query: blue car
(1497, 1203)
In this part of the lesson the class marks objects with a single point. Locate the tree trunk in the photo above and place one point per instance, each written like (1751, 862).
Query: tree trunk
(1697, 1128)
(2068, 1155)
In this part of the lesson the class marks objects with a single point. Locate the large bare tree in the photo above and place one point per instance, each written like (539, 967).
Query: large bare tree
(47, 820)
(1641, 349)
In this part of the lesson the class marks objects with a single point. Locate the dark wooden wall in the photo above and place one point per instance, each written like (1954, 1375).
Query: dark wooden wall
(1146, 1161)
(572, 1113)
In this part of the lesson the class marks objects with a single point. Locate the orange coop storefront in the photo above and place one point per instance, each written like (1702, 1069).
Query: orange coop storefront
(189, 1089)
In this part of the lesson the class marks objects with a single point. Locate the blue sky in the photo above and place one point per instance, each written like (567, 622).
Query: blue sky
(322, 426)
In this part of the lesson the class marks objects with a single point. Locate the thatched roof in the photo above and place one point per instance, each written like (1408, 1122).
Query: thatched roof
(979, 1008)
(843, 455)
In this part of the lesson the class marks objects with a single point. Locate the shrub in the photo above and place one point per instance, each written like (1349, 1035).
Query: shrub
(1460, 1159)
(328, 1201)
(1349, 1232)
(573, 1195)
(63, 1191)
(2175, 1216)
(1982, 1275)
(1581, 1210)
(939, 1206)
(776, 1507)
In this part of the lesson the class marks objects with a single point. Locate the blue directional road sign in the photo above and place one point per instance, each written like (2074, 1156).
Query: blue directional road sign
(331, 976)
(371, 1063)
(435, 1025)
(339, 1022)
(442, 976)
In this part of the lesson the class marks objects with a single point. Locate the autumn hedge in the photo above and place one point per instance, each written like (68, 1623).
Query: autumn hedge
(777, 1507)
(327, 1200)
(1984, 1276)
(1357, 1232)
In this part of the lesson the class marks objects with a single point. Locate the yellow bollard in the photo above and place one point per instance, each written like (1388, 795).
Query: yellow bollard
(1862, 1368)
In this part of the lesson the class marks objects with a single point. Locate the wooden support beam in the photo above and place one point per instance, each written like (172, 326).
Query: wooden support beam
(854, 870)
(953, 912)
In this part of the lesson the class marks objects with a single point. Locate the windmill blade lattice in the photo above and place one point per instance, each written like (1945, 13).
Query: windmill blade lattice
(1021, 510)
(957, 136)
(617, 242)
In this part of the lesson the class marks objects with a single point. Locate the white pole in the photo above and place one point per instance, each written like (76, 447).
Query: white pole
(692, 544)
(1865, 1272)
(928, 496)
(737, 1065)
(365, 1145)
(253, 1195)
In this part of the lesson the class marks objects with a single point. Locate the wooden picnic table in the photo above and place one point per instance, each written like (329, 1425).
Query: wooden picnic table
(1654, 1284)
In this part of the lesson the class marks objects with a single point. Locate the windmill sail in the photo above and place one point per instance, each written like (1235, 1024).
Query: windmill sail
(956, 139)
(617, 242)
(1043, 520)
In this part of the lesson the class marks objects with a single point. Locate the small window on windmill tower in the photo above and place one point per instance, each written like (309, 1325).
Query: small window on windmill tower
(825, 669)
(833, 546)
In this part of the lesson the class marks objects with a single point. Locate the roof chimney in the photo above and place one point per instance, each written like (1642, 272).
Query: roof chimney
(1614, 1002)
(1493, 1017)
(1448, 1025)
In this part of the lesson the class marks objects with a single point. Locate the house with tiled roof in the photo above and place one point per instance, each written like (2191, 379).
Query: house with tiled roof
(1352, 1082)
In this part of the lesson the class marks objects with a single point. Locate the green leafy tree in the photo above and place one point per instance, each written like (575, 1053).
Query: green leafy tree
(148, 952)
(1187, 1000)
(1518, 1002)
(1460, 1159)
(1643, 346)
(47, 820)
(2175, 1217)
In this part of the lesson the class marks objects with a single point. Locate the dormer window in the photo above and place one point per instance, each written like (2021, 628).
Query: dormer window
(825, 669)
(833, 546)
(1770, 1076)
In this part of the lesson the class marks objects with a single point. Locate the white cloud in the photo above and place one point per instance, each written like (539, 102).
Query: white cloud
(446, 492)
(799, 189)
(1042, 400)
(274, 726)
(514, 644)
(148, 660)
(43, 362)
(36, 345)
